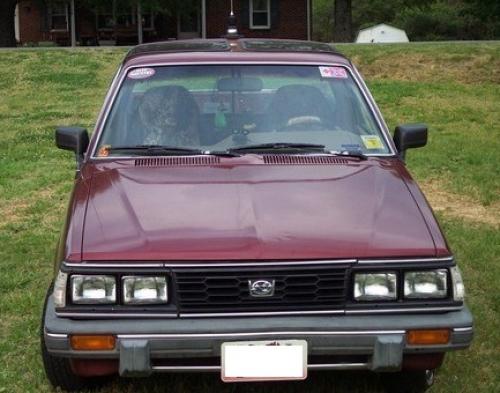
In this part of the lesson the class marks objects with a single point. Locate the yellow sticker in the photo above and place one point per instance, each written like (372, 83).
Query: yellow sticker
(372, 142)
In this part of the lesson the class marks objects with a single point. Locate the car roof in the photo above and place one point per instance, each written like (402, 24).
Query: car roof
(238, 49)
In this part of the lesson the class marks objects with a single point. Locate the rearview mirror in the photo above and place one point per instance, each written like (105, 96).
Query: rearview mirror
(75, 139)
(240, 84)
(410, 136)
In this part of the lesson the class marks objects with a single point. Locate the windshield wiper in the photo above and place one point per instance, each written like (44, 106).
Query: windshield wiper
(278, 146)
(173, 150)
(350, 153)
(158, 149)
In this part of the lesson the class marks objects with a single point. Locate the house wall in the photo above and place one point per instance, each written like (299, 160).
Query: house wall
(289, 19)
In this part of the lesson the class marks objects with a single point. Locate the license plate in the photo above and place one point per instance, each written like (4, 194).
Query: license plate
(248, 361)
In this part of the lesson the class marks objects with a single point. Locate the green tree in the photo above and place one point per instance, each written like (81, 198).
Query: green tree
(342, 21)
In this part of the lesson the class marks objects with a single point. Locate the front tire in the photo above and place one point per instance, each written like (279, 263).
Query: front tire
(408, 381)
(58, 369)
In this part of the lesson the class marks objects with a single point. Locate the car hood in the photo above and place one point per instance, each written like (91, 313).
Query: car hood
(253, 212)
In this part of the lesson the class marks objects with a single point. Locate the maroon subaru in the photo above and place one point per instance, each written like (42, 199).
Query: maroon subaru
(241, 208)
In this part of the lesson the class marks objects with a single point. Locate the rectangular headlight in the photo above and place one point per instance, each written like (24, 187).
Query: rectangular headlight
(375, 286)
(428, 284)
(144, 290)
(93, 289)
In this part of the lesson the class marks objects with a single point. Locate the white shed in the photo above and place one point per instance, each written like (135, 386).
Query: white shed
(381, 33)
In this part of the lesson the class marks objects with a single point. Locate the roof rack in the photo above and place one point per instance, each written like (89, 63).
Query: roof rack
(232, 44)
(213, 45)
(276, 45)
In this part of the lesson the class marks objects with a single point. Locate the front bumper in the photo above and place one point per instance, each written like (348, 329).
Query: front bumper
(373, 342)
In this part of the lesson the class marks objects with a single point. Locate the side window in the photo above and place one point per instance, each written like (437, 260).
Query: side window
(260, 14)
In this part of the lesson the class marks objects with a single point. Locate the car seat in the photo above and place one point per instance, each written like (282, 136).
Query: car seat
(298, 101)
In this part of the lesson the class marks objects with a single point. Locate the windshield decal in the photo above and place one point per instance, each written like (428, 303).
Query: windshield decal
(333, 72)
(141, 73)
(372, 142)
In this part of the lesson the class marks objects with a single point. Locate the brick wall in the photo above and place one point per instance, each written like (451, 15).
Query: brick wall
(289, 19)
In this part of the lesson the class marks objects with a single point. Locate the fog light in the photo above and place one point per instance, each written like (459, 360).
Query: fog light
(93, 289)
(144, 290)
(426, 284)
(375, 286)
(92, 343)
(428, 337)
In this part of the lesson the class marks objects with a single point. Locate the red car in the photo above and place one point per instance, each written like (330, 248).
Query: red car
(241, 208)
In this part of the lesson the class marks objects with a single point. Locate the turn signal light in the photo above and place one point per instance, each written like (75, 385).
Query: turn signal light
(92, 343)
(428, 337)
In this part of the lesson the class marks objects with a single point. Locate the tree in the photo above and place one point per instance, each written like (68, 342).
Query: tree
(342, 19)
(7, 27)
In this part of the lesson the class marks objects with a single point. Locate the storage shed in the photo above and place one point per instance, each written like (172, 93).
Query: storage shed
(381, 33)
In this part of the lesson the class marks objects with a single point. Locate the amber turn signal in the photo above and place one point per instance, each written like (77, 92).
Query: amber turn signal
(92, 343)
(428, 337)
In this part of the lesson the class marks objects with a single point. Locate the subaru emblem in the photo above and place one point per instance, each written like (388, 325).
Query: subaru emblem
(261, 288)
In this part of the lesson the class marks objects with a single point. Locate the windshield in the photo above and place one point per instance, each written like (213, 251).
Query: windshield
(222, 107)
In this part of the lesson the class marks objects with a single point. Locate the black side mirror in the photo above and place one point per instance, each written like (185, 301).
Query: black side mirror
(75, 139)
(410, 136)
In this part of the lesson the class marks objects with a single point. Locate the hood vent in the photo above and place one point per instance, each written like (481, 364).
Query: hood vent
(303, 160)
(177, 161)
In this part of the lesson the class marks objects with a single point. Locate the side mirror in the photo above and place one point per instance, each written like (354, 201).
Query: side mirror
(410, 136)
(75, 139)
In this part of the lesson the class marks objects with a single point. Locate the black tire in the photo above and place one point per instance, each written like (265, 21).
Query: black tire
(58, 369)
(408, 381)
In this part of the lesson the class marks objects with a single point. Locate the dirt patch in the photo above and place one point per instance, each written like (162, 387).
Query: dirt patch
(18, 210)
(418, 67)
(460, 206)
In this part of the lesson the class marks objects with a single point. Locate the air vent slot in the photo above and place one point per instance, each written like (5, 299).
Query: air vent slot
(177, 161)
(303, 160)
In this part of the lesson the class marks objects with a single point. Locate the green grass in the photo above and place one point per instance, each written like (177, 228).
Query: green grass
(455, 88)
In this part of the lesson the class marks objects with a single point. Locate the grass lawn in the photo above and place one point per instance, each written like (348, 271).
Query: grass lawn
(455, 88)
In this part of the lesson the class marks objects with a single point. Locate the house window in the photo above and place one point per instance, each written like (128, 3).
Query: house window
(111, 15)
(260, 14)
(58, 19)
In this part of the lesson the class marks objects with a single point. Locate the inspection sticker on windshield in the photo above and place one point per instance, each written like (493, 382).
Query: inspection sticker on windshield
(372, 142)
(141, 73)
(333, 72)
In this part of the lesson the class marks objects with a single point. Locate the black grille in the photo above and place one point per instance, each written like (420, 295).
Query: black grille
(226, 290)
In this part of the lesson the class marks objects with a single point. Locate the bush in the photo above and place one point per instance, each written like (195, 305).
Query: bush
(435, 22)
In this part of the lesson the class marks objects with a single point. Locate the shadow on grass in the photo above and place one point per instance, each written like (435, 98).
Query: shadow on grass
(325, 381)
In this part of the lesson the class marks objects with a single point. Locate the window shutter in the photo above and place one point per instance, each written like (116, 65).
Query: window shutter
(245, 14)
(275, 14)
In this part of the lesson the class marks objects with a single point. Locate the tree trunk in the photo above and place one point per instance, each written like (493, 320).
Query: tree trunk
(342, 15)
(7, 26)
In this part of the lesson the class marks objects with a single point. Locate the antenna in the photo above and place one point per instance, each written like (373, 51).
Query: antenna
(232, 29)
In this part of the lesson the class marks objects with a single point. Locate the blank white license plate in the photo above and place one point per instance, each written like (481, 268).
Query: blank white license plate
(264, 360)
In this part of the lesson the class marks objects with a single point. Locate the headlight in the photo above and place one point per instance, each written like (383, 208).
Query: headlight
(458, 284)
(144, 290)
(60, 289)
(375, 286)
(426, 284)
(93, 289)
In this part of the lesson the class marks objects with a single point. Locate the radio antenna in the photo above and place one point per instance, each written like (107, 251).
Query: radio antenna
(232, 29)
